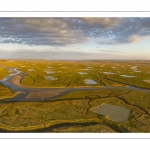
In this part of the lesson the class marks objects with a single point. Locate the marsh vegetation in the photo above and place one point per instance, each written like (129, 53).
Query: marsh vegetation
(72, 111)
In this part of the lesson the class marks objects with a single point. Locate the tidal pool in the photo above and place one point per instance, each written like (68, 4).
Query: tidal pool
(109, 73)
(49, 77)
(127, 76)
(113, 112)
(89, 81)
(82, 73)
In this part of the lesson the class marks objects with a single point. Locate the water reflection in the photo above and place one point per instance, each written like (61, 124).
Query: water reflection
(89, 81)
(127, 76)
(49, 77)
(82, 73)
(109, 73)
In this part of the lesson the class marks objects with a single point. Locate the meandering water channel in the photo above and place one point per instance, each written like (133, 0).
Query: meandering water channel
(24, 93)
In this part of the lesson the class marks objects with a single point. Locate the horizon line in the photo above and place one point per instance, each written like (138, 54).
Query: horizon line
(79, 59)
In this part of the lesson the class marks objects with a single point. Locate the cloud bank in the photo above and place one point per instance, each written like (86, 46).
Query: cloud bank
(63, 55)
(63, 31)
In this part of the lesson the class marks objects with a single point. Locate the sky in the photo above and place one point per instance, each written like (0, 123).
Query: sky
(65, 38)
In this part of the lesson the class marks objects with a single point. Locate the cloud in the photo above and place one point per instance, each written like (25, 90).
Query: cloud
(127, 30)
(38, 31)
(63, 31)
(99, 22)
(58, 55)
(135, 38)
(111, 51)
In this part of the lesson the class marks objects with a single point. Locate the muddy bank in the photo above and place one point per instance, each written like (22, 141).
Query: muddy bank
(16, 79)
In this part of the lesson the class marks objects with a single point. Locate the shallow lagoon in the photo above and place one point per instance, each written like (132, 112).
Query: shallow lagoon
(114, 113)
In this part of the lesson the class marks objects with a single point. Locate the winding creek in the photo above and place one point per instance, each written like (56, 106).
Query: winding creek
(24, 93)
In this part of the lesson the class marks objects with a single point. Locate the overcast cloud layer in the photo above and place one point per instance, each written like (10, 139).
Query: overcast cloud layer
(64, 31)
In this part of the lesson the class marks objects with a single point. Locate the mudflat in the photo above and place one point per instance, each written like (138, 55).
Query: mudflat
(16, 79)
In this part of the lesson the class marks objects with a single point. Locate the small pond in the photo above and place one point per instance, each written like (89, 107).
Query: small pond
(89, 81)
(148, 81)
(137, 71)
(82, 73)
(49, 77)
(113, 112)
(49, 72)
(134, 67)
(109, 73)
(31, 70)
(127, 76)
(49, 67)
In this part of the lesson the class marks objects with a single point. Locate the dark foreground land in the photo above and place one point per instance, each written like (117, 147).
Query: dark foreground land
(60, 96)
